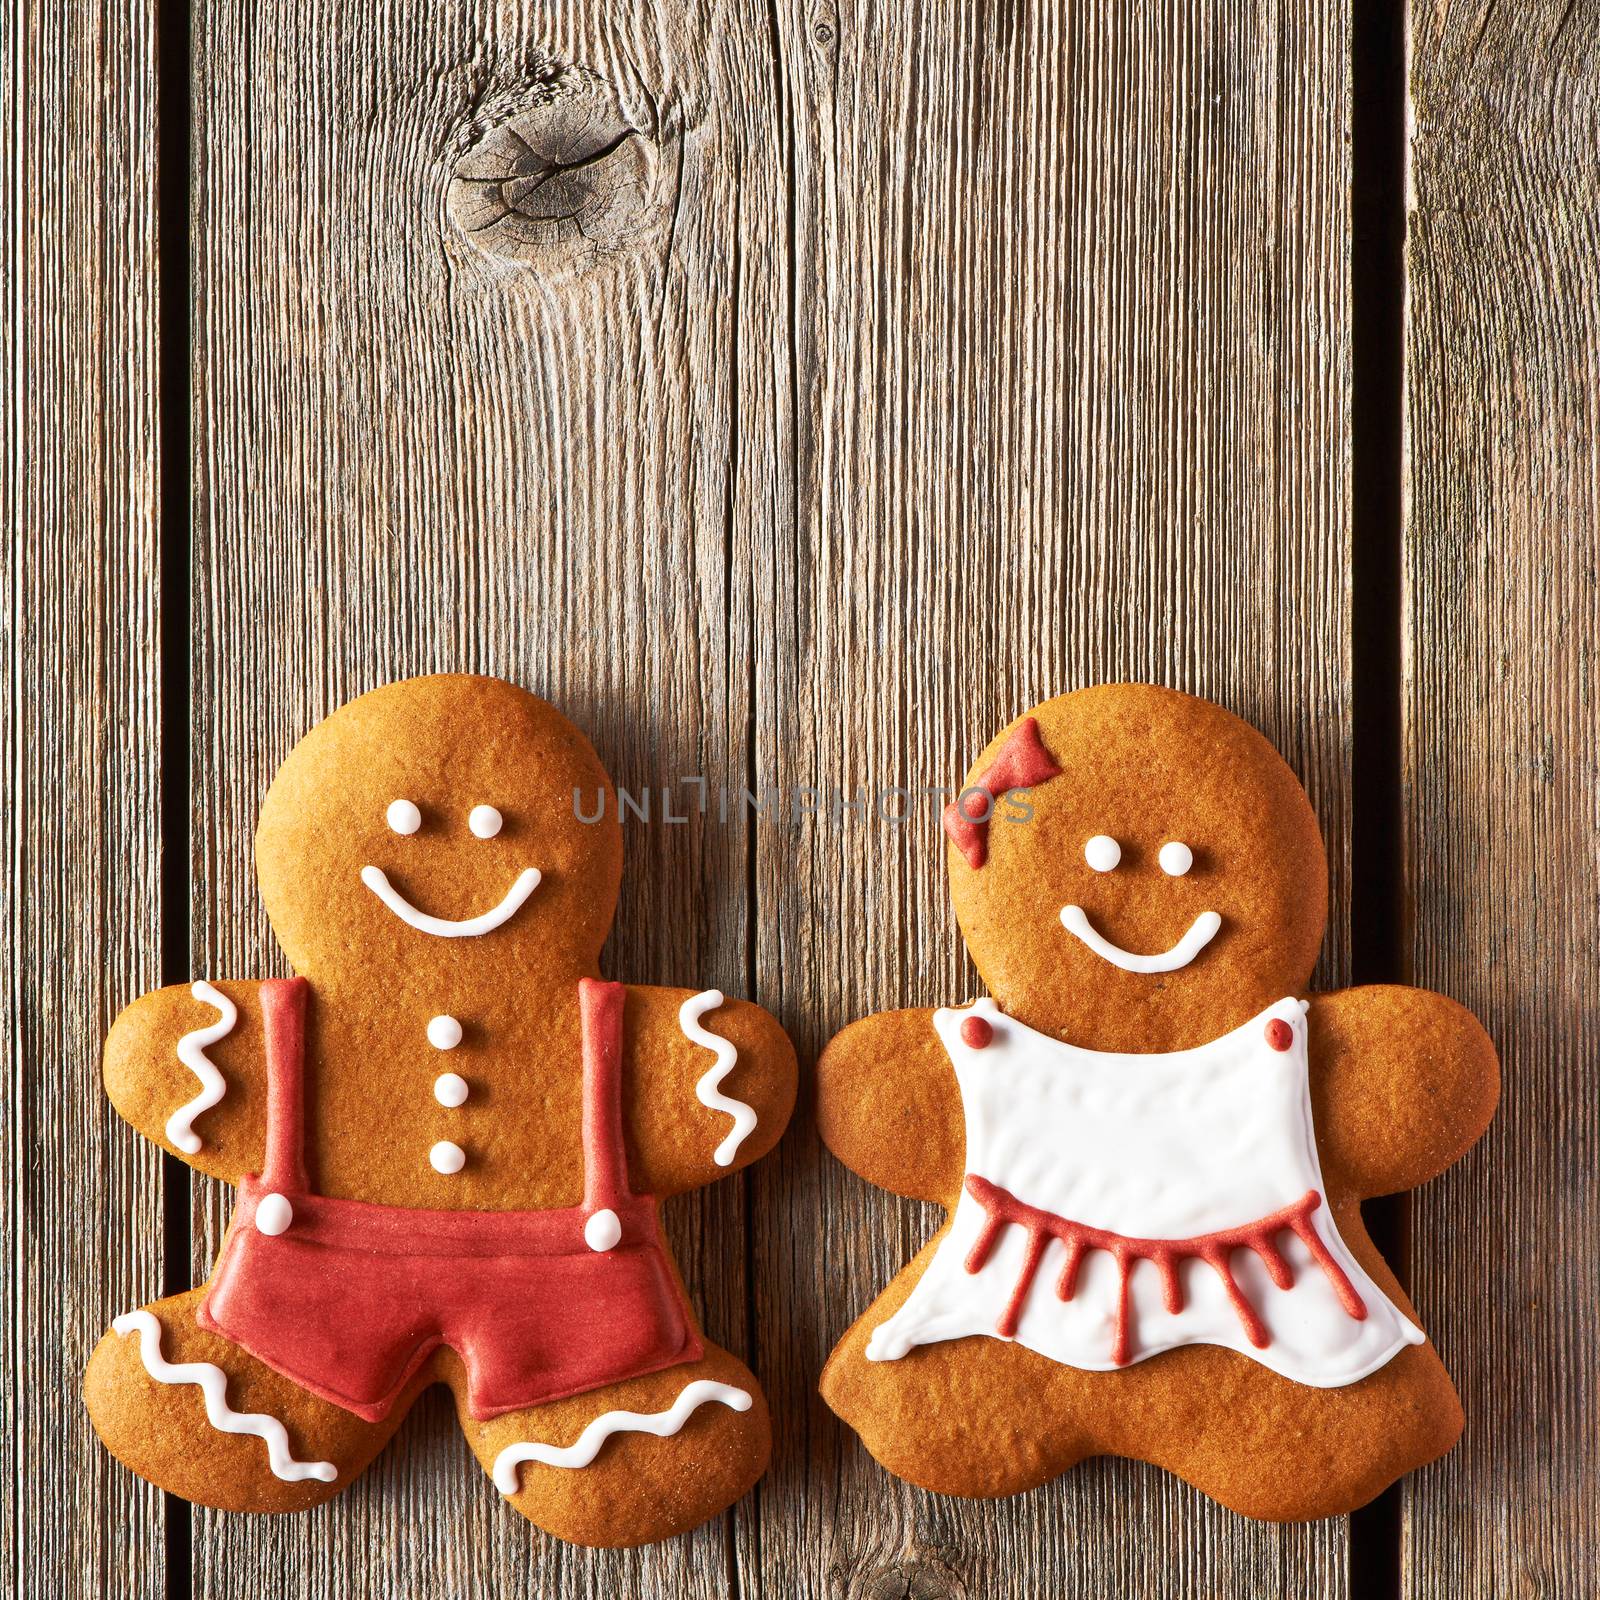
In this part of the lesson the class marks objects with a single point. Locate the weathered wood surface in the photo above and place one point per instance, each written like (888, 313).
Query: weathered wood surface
(516, 451)
(793, 395)
(1503, 758)
(82, 1205)
(419, 447)
(1073, 318)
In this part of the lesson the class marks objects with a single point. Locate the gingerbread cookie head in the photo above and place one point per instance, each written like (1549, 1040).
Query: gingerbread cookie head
(429, 812)
(1162, 881)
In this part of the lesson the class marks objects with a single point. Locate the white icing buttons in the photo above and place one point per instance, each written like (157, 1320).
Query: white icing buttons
(404, 817)
(444, 1033)
(1176, 858)
(603, 1230)
(447, 1158)
(1102, 852)
(484, 821)
(450, 1089)
(273, 1215)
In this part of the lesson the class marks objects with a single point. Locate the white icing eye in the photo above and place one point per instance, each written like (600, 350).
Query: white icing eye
(484, 821)
(1102, 852)
(403, 816)
(1176, 858)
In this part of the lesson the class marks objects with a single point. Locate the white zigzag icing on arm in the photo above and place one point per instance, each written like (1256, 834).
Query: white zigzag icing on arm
(663, 1424)
(213, 1384)
(708, 1089)
(192, 1053)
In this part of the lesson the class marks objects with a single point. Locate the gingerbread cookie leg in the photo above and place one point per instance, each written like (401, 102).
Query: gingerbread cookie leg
(962, 1417)
(982, 1417)
(678, 1446)
(196, 1415)
(1268, 1448)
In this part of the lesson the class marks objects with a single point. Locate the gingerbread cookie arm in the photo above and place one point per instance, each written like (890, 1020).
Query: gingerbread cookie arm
(1403, 1083)
(888, 1105)
(708, 1087)
(185, 1066)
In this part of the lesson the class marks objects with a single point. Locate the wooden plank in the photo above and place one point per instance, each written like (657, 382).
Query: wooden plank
(540, 450)
(1073, 326)
(82, 1203)
(1502, 747)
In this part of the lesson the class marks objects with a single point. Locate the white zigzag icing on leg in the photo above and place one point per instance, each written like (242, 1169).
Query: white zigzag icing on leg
(213, 1384)
(663, 1424)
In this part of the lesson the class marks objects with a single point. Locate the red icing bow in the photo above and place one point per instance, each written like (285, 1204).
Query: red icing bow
(1023, 761)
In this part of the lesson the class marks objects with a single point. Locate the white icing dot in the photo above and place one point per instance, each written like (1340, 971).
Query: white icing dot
(273, 1214)
(444, 1033)
(403, 816)
(450, 1089)
(602, 1230)
(447, 1158)
(484, 821)
(1102, 852)
(1176, 858)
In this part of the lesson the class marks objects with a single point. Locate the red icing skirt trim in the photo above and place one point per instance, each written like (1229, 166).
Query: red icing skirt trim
(1166, 1254)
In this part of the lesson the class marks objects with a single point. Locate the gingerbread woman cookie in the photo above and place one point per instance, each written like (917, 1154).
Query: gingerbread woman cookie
(1152, 1144)
(449, 1135)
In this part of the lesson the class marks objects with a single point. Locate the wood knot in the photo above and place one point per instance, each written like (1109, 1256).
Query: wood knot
(556, 175)
(911, 1578)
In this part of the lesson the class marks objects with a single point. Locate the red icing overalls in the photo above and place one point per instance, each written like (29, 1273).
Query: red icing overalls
(349, 1299)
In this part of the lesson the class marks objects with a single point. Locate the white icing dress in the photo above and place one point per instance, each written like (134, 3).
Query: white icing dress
(1116, 1206)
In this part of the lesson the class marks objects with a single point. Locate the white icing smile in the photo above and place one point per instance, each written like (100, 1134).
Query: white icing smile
(468, 927)
(1201, 932)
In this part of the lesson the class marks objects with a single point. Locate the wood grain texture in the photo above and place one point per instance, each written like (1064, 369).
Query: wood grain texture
(910, 364)
(1072, 338)
(82, 1206)
(559, 465)
(1502, 753)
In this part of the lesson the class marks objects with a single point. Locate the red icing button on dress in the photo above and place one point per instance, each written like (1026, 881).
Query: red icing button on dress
(976, 1032)
(1279, 1034)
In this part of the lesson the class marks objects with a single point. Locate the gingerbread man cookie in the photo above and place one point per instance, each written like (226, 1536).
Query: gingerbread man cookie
(449, 1135)
(1152, 1144)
